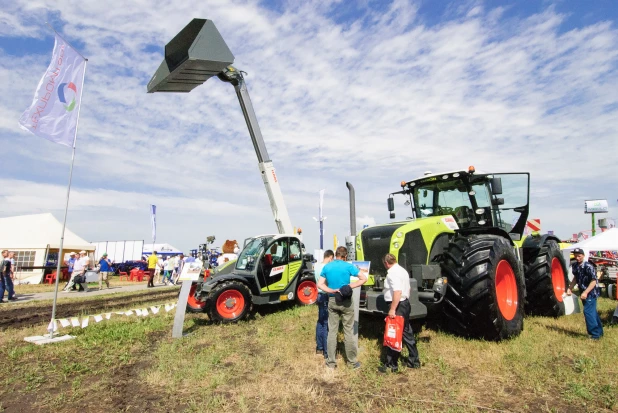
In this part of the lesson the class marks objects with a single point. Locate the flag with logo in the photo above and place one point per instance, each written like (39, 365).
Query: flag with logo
(153, 220)
(55, 108)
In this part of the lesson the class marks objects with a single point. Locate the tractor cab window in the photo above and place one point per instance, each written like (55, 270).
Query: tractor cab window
(509, 206)
(251, 253)
(296, 252)
(279, 252)
(444, 198)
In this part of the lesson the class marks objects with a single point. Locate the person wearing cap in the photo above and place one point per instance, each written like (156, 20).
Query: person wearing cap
(586, 279)
(70, 263)
(335, 281)
(79, 269)
(153, 261)
(397, 294)
(105, 270)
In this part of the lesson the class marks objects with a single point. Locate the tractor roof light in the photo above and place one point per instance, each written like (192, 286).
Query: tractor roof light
(403, 183)
(194, 55)
(471, 169)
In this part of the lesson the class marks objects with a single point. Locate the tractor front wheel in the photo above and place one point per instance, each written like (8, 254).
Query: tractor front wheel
(546, 281)
(485, 291)
(229, 302)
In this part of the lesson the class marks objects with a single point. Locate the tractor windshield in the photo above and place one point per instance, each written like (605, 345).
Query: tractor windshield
(251, 253)
(443, 198)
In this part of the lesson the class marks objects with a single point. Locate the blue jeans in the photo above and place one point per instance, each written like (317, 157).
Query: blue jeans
(593, 321)
(321, 327)
(6, 283)
(167, 274)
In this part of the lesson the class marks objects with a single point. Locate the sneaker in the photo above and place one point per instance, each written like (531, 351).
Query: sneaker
(330, 367)
(13, 298)
(319, 352)
(385, 369)
(614, 321)
(356, 365)
(413, 366)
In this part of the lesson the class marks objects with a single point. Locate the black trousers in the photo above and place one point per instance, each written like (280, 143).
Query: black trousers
(392, 356)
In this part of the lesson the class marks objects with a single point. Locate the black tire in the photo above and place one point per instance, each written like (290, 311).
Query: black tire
(546, 280)
(193, 304)
(229, 302)
(472, 305)
(306, 291)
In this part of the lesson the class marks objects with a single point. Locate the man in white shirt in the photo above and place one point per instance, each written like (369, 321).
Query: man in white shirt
(397, 292)
(79, 269)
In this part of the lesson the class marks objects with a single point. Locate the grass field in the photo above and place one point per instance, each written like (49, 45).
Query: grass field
(268, 364)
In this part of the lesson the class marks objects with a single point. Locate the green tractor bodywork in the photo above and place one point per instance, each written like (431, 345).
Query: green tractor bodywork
(464, 249)
(270, 269)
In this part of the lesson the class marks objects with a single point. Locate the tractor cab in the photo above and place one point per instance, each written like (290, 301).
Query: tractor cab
(475, 201)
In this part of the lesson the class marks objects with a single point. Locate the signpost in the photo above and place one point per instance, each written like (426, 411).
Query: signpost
(595, 206)
(190, 272)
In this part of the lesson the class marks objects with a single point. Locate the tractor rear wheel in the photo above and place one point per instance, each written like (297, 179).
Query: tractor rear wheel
(546, 281)
(306, 291)
(485, 291)
(193, 304)
(229, 302)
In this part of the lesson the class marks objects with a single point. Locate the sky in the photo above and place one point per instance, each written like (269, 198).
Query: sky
(366, 92)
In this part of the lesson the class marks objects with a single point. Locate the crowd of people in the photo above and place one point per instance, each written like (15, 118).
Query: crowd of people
(170, 267)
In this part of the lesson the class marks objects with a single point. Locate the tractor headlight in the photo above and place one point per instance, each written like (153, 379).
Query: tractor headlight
(396, 245)
(399, 234)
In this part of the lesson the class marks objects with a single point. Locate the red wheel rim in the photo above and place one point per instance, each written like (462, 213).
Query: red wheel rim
(230, 304)
(307, 292)
(192, 301)
(506, 290)
(557, 278)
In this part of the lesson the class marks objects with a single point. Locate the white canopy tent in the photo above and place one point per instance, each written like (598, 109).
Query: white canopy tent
(605, 241)
(162, 249)
(33, 237)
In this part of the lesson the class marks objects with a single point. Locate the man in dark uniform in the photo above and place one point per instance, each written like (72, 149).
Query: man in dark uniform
(586, 279)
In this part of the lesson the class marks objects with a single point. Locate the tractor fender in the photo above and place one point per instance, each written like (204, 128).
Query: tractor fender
(483, 231)
(532, 245)
(212, 282)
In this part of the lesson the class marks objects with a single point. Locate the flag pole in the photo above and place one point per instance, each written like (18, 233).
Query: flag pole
(66, 207)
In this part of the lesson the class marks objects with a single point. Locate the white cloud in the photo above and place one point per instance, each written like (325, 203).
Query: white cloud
(372, 101)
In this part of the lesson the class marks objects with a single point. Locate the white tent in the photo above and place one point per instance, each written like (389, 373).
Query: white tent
(165, 249)
(33, 237)
(605, 241)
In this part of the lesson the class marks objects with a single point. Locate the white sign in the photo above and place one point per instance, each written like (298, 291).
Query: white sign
(191, 271)
(597, 205)
(450, 223)
(277, 270)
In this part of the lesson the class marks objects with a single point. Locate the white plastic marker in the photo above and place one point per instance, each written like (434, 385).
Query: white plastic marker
(138, 311)
(75, 321)
(130, 312)
(64, 322)
(167, 308)
(53, 326)
(155, 310)
(108, 316)
(98, 318)
(144, 312)
(85, 321)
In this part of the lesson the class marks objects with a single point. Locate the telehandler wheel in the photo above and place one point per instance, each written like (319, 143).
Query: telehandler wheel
(306, 291)
(546, 281)
(486, 289)
(229, 302)
(193, 304)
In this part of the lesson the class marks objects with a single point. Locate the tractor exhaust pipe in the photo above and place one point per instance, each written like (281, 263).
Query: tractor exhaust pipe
(352, 209)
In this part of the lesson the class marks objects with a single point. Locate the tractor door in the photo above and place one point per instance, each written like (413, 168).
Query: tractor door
(275, 266)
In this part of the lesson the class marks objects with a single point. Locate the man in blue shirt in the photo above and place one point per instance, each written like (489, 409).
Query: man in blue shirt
(105, 271)
(586, 279)
(335, 277)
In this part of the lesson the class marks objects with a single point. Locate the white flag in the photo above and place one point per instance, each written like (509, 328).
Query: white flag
(138, 312)
(85, 321)
(55, 107)
(75, 322)
(98, 318)
(64, 322)
(153, 221)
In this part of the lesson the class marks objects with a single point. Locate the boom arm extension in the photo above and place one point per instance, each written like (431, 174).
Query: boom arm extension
(267, 170)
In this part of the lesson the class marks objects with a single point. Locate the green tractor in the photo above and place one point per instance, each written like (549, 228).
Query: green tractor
(470, 265)
(270, 269)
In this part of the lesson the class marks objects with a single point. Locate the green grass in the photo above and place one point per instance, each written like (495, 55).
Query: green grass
(268, 364)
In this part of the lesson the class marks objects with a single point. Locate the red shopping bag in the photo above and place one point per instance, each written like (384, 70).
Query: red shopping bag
(393, 332)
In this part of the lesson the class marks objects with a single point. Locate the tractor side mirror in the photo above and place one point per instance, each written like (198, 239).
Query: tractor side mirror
(391, 204)
(496, 187)
(392, 215)
(497, 201)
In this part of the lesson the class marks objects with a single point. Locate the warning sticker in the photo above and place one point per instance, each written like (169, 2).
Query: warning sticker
(450, 223)
(277, 270)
